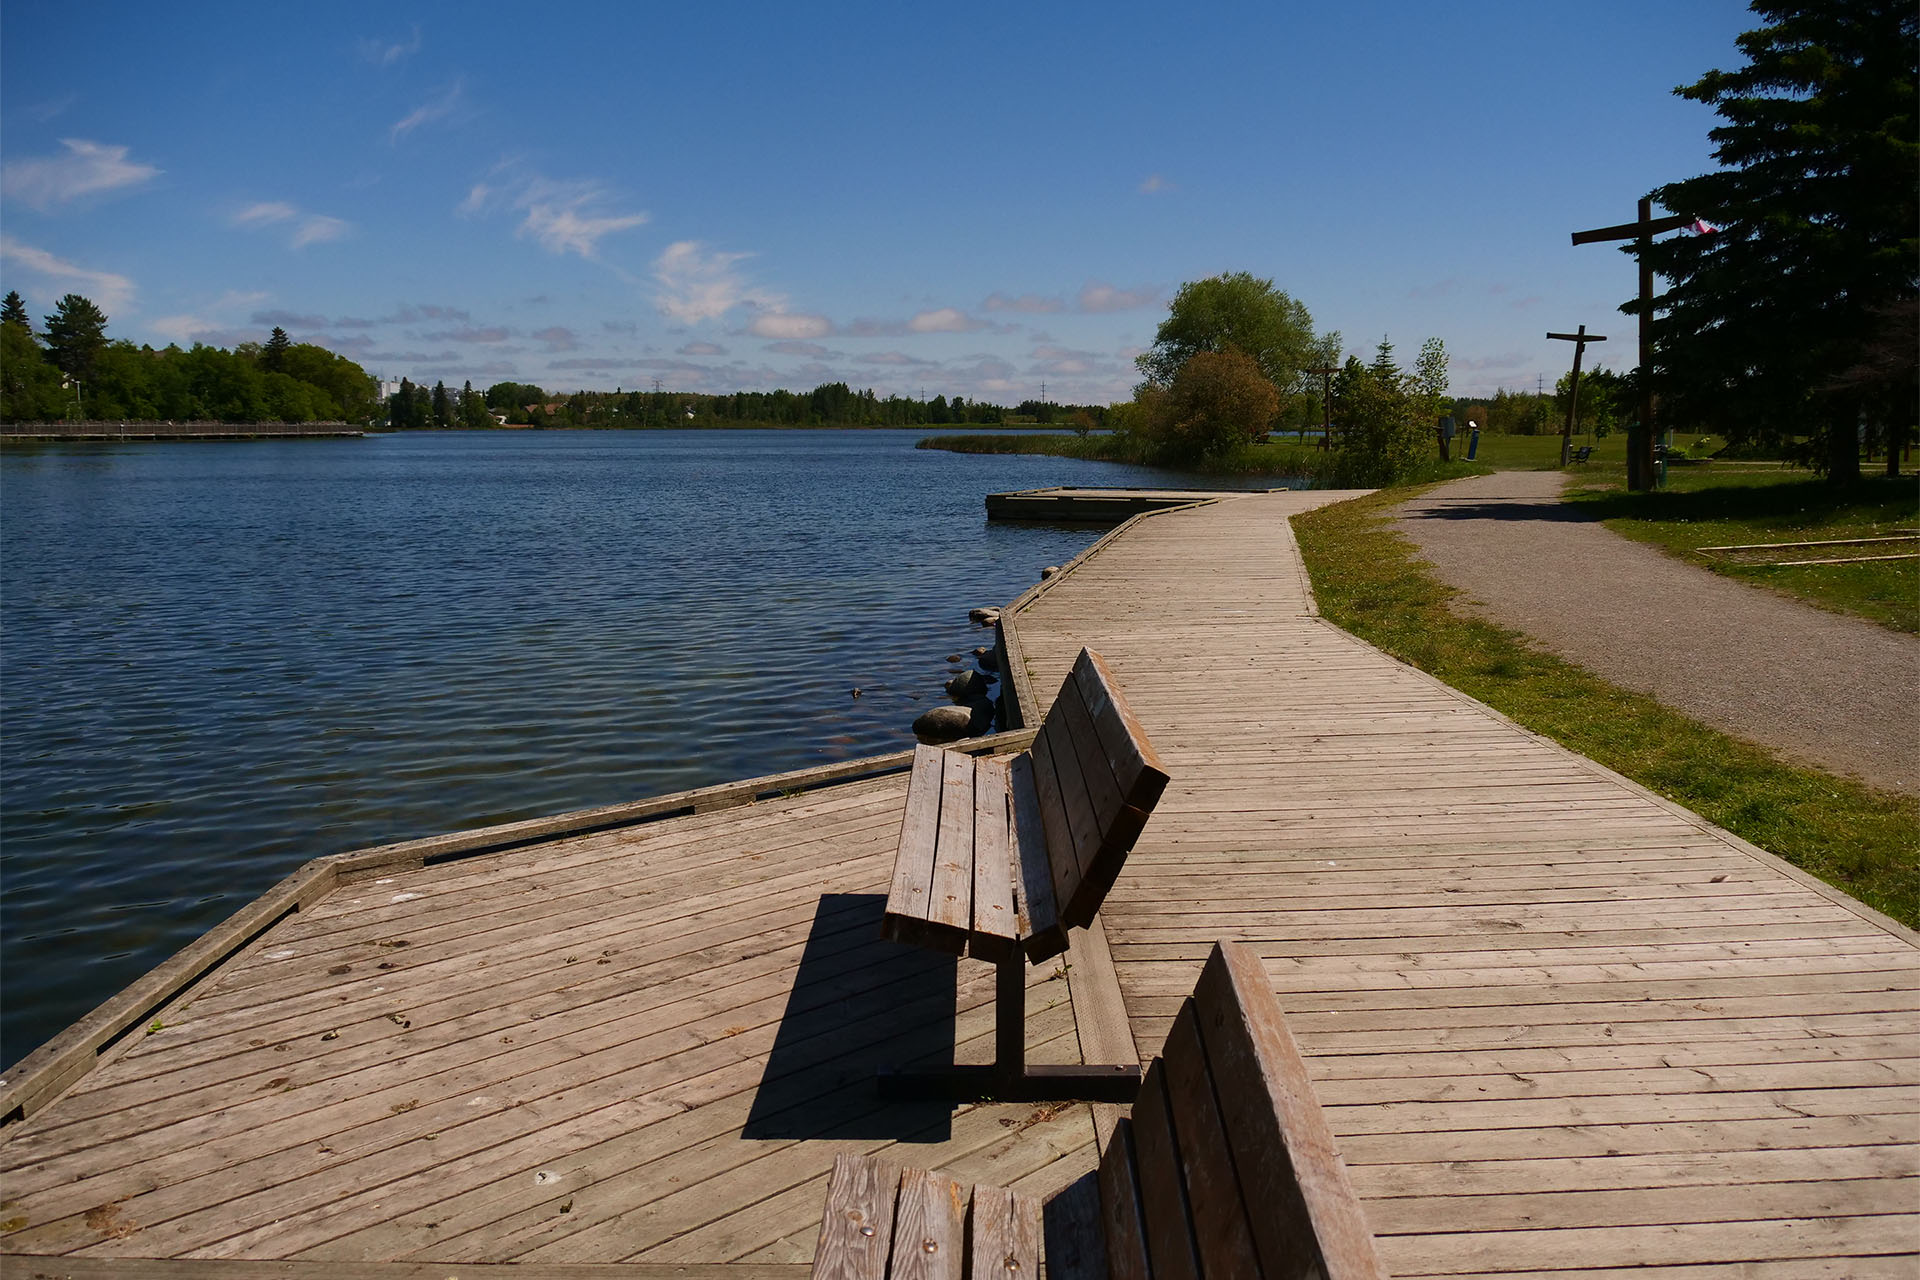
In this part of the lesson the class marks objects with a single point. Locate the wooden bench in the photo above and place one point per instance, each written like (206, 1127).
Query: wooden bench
(999, 857)
(1226, 1169)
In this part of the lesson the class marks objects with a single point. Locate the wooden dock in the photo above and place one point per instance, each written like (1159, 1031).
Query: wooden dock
(1560, 1025)
(94, 432)
(1063, 504)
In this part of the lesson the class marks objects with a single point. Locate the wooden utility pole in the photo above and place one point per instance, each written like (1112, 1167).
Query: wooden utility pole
(1640, 472)
(1579, 341)
(1326, 403)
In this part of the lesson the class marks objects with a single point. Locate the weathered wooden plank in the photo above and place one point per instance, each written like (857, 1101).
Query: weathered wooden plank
(950, 905)
(1082, 824)
(929, 1228)
(1075, 1247)
(1063, 860)
(1041, 931)
(1215, 1194)
(1282, 1146)
(856, 1227)
(1165, 1211)
(1137, 767)
(909, 914)
(1122, 1215)
(1004, 1227)
(996, 931)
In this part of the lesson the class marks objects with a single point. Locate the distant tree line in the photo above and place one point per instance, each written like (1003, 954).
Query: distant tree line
(71, 370)
(832, 404)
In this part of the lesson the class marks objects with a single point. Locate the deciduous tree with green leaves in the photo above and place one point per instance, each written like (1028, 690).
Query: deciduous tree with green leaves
(1817, 201)
(1235, 310)
(1219, 400)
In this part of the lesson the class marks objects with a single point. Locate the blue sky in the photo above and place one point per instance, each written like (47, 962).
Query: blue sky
(976, 200)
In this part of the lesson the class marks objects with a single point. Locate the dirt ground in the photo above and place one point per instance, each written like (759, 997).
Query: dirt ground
(1817, 687)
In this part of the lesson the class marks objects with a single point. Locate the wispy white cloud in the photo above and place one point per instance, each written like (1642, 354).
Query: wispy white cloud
(557, 338)
(1098, 298)
(438, 107)
(88, 168)
(702, 349)
(264, 213)
(944, 320)
(812, 350)
(384, 53)
(790, 326)
(892, 359)
(112, 292)
(52, 107)
(482, 334)
(318, 228)
(312, 228)
(697, 285)
(562, 217)
(1155, 184)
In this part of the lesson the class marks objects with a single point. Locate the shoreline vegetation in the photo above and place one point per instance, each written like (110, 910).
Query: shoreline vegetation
(1367, 580)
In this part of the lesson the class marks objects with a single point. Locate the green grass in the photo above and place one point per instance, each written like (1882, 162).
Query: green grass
(1717, 505)
(1365, 578)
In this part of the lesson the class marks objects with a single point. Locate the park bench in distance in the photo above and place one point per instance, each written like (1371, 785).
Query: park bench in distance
(1226, 1169)
(999, 857)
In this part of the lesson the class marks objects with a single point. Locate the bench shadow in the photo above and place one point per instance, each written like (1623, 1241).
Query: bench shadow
(859, 1003)
(1546, 509)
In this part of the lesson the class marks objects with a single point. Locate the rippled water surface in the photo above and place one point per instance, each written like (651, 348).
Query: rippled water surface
(218, 660)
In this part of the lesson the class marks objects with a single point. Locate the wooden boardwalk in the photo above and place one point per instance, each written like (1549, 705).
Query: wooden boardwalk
(1560, 1026)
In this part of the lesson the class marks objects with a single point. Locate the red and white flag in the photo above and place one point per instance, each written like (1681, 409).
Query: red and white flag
(1701, 227)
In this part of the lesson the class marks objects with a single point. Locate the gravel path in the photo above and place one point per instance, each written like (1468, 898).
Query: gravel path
(1815, 686)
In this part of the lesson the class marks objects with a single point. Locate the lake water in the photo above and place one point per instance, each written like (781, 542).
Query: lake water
(218, 660)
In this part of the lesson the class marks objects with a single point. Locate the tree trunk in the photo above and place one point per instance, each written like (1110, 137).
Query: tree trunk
(1843, 441)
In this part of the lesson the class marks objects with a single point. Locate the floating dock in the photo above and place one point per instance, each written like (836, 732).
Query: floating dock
(1063, 504)
(1558, 1024)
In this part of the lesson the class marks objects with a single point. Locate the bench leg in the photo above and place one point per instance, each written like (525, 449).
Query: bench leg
(1010, 1079)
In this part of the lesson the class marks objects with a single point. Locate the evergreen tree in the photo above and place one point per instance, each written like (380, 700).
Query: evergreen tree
(442, 410)
(14, 311)
(1817, 200)
(76, 333)
(273, 356)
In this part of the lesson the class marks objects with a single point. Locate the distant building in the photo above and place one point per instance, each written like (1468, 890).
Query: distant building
(389, 388)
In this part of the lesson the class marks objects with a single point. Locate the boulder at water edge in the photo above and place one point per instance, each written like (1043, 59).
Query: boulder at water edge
(987, 658)
(985, 617)
(943, 724)
(967, 686)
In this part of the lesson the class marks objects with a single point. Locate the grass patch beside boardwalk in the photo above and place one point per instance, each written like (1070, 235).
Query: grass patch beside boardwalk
(1366, 580)
(1715, 506)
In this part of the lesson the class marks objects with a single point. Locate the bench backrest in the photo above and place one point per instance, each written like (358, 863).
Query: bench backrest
(1227, 1167)
(1095, 778)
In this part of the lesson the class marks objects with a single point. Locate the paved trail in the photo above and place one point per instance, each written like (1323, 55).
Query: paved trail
(1815, 686)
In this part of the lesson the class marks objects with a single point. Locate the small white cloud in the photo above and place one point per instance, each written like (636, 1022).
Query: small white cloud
(267, 211)
(1098, 297)
(944, 320)
(697, 285)
(384, 53)
(557, 338)
(189, 326)
(318, 228)
(1154, 184)
(476, 200)
(561, 228)
(110, 291)
(436, 108)
(789, 326)
(88, 168)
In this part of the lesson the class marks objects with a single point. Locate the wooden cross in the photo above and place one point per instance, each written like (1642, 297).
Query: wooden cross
(1644, 229)
(1579, 341)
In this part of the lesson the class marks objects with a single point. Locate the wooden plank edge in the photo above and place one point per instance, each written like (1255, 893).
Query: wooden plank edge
(726, 795)
(48, 1071)
(1838, 897)
(1099, 1013)
(44, 1074)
